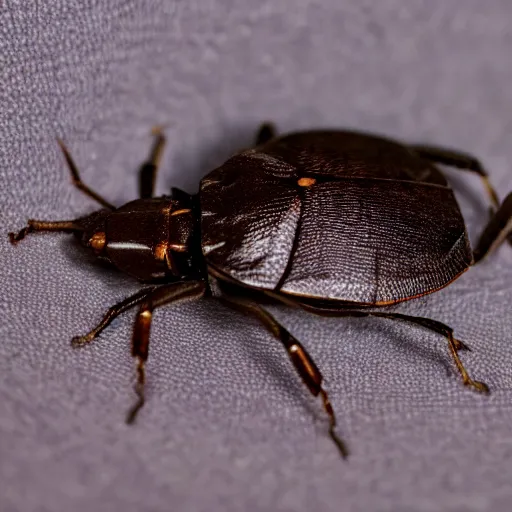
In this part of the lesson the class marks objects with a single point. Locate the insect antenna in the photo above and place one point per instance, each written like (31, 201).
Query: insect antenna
(66, 226)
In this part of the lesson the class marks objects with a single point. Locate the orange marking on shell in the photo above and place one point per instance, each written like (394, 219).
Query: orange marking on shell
(161, 251)
(180, 212)
(98, 241)
(306, 182)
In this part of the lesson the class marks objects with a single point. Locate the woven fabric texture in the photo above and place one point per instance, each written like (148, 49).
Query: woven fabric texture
(228, 426)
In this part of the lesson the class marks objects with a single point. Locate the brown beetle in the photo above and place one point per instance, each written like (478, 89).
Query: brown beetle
(335, 222)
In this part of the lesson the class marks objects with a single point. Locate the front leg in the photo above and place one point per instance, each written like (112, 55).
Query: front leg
(149, 169)
(112, 313)
(165, 294)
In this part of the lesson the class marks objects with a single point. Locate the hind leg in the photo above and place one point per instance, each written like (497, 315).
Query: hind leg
(454, 344)
(499, 227)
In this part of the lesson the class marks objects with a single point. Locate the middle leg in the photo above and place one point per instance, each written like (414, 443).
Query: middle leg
(299, 357)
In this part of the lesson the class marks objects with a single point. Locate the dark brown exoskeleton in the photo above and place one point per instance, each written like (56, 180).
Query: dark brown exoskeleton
(332, 222)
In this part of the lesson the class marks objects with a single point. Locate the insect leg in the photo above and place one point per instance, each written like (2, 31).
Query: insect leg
(266, 132)
(165, 294)
(461, 161)
(112, 313)
(148, 170)
(302, 361)
(77, 181)
(454, 344)
(446, 331)
(499, 227)
(67, 226)
(496, 232)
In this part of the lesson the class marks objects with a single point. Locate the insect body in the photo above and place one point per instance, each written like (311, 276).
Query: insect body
(333, 222)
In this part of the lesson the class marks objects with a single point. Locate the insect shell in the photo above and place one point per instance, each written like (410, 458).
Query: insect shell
(333, 222)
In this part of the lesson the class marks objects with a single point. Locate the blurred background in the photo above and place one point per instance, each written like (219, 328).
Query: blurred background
(227, 425)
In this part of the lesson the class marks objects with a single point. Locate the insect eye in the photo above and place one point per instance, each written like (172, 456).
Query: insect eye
(98, 241)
